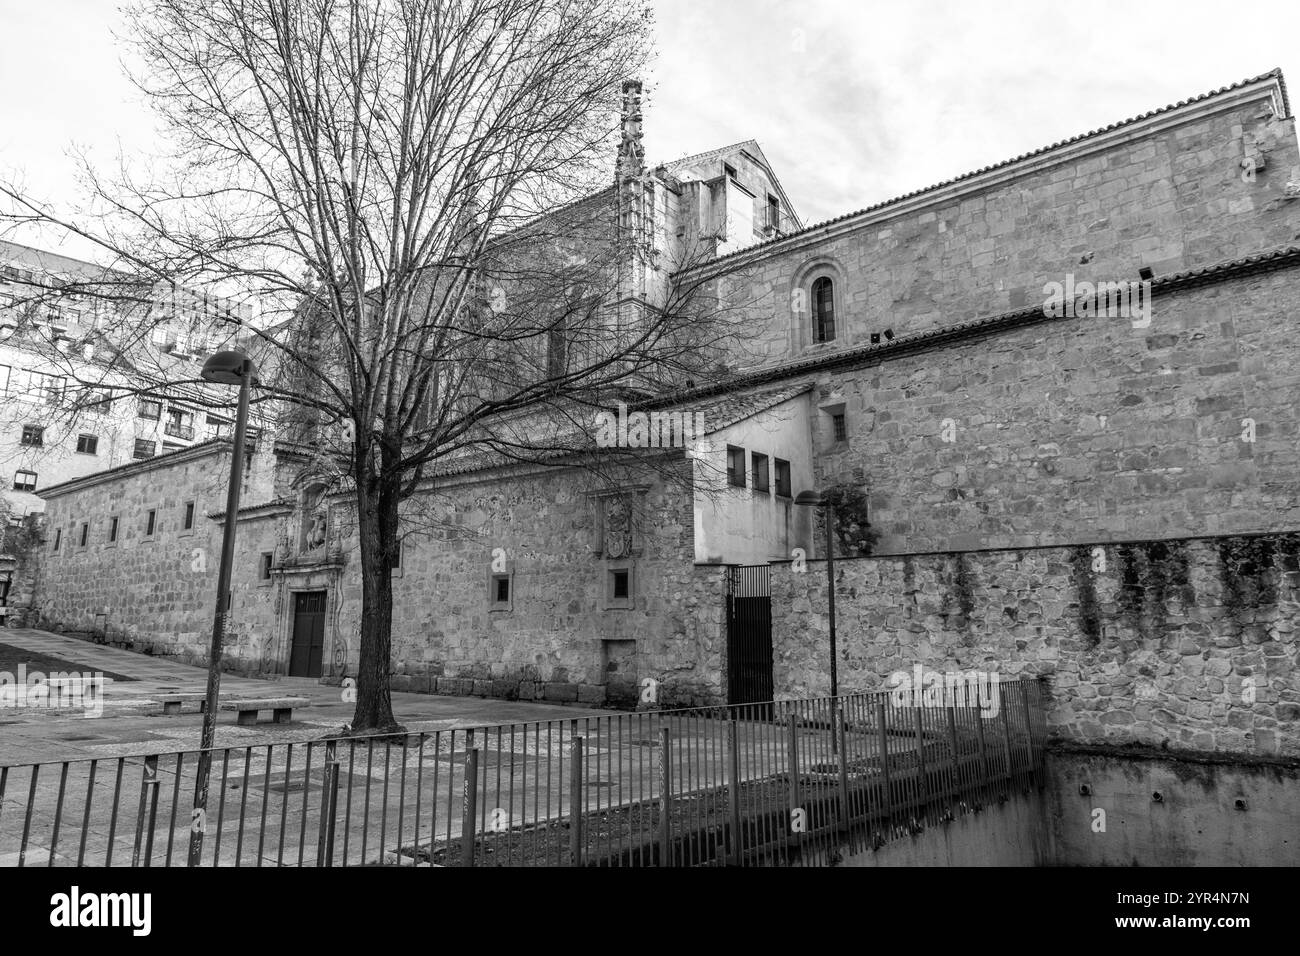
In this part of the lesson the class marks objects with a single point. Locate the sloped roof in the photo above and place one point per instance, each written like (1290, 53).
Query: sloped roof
(722, 412)
(197, 450)
(1274, 74)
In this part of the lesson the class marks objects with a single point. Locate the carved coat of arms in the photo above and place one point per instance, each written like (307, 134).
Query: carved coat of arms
(618, 528)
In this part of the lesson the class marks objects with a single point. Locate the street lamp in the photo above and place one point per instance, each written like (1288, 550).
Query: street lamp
(223, 368)
(815, 499)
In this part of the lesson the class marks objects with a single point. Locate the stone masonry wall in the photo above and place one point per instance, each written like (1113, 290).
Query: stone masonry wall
(157, 591)
(1189, 643)
(1083, 429)
(1172, 200)
(557, 641)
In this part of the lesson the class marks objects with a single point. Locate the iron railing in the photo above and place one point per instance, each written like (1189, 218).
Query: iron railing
(787, 783)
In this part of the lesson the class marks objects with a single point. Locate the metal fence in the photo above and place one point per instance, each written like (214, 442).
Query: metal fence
(787, 783)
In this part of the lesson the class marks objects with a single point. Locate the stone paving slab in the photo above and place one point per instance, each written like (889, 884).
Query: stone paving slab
(132, 720)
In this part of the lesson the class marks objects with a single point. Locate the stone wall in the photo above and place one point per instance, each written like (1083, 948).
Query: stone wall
(158, 591)
(1188, 643)
(20, 548)
(1171, 197)
(1083, 429)
(558, 640)
(1162, 809)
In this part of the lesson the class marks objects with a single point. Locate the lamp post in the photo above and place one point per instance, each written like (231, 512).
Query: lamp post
(223, 368)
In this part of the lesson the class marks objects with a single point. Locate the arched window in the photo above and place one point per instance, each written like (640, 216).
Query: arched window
(823, 310)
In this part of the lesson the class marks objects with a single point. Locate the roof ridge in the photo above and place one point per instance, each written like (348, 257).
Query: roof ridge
(708, 152)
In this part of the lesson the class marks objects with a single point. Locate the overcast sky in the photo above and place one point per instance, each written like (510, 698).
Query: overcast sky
(853, 101)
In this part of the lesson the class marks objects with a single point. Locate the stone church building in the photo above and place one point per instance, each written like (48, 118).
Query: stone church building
(1106, 492)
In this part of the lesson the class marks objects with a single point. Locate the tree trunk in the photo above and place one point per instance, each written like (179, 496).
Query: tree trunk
(377, 528)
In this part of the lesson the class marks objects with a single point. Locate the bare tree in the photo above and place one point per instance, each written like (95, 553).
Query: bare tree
(417, 194)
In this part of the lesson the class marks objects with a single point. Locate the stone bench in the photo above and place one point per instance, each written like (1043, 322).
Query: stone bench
(280, 707)
(172, 702)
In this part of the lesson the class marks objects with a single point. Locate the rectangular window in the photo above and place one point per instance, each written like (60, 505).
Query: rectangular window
(189, 515)
(58, 538)
(112, 529)
(782, 478)
(500, 592)
(88, 444)
(44, 387)
(264, 571)
(149, 522)
(618, 587)
(24, 480)
(759, 465)
(841, 428)
(735, 466)
(217, 428)
(34, 435)
(150, 409)
(144, 448)
(99, 400)
(179, 424)
(773, 212)
(85, 533)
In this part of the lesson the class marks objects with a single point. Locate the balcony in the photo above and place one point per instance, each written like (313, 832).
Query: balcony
(177, 430)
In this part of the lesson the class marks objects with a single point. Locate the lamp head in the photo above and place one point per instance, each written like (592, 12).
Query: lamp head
(226, 368)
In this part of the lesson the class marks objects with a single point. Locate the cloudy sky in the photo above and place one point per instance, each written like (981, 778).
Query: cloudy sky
(853, 101)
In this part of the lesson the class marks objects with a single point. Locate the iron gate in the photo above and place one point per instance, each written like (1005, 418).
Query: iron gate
(749, 634)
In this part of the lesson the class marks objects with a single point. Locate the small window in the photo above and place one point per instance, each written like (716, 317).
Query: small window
(112, 529)
(500, 592)
(34, 435)
(618, 587)
(144, 448)
(735, 466)
(773, 212)
(58, 538)
(151, 409)
(85, 533)
(264, 569)
(24, 480)
(782, 478)
(759, 465)
(189, 515)
(840, 427)
(823, 307)
(150, 521)
(88, 444)
(397, 558)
